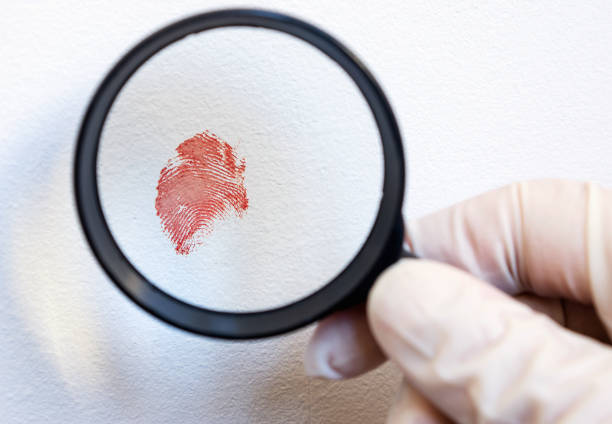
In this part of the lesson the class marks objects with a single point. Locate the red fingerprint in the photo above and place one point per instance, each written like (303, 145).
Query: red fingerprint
(203, 183)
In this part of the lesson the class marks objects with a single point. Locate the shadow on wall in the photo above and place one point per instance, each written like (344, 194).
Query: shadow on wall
(53, 304)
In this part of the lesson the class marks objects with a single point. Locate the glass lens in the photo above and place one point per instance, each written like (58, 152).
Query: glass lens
(240, 169)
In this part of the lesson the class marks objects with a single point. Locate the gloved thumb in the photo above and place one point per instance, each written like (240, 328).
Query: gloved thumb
(481, 356)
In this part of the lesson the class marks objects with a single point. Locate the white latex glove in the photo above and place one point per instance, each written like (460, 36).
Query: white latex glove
(468, 351)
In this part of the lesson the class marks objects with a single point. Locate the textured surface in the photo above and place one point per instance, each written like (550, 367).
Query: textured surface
(484, 94)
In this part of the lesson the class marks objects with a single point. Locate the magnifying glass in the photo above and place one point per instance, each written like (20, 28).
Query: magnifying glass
(240, 174)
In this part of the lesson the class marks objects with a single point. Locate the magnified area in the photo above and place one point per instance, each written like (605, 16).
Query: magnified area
(240, 169)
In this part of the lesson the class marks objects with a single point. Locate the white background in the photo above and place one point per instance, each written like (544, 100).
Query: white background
(485, 94)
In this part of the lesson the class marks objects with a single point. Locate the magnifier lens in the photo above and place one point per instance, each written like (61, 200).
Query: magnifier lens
(240, 169)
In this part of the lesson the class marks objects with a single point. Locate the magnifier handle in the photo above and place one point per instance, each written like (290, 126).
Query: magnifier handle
(395, 250)
(408, 254)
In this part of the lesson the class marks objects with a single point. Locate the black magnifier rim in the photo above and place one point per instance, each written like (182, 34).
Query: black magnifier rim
(222, 324)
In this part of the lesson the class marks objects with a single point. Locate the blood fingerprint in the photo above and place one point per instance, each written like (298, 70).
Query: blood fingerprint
(202, 184)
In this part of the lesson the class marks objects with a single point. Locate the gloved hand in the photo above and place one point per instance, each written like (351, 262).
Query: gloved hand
(469, 351)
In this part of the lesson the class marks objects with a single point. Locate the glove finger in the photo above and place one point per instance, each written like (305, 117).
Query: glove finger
(549, 237)
(342, 346)
(479, 355)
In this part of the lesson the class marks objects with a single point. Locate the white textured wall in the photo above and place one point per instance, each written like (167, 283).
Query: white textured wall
(485, 94)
